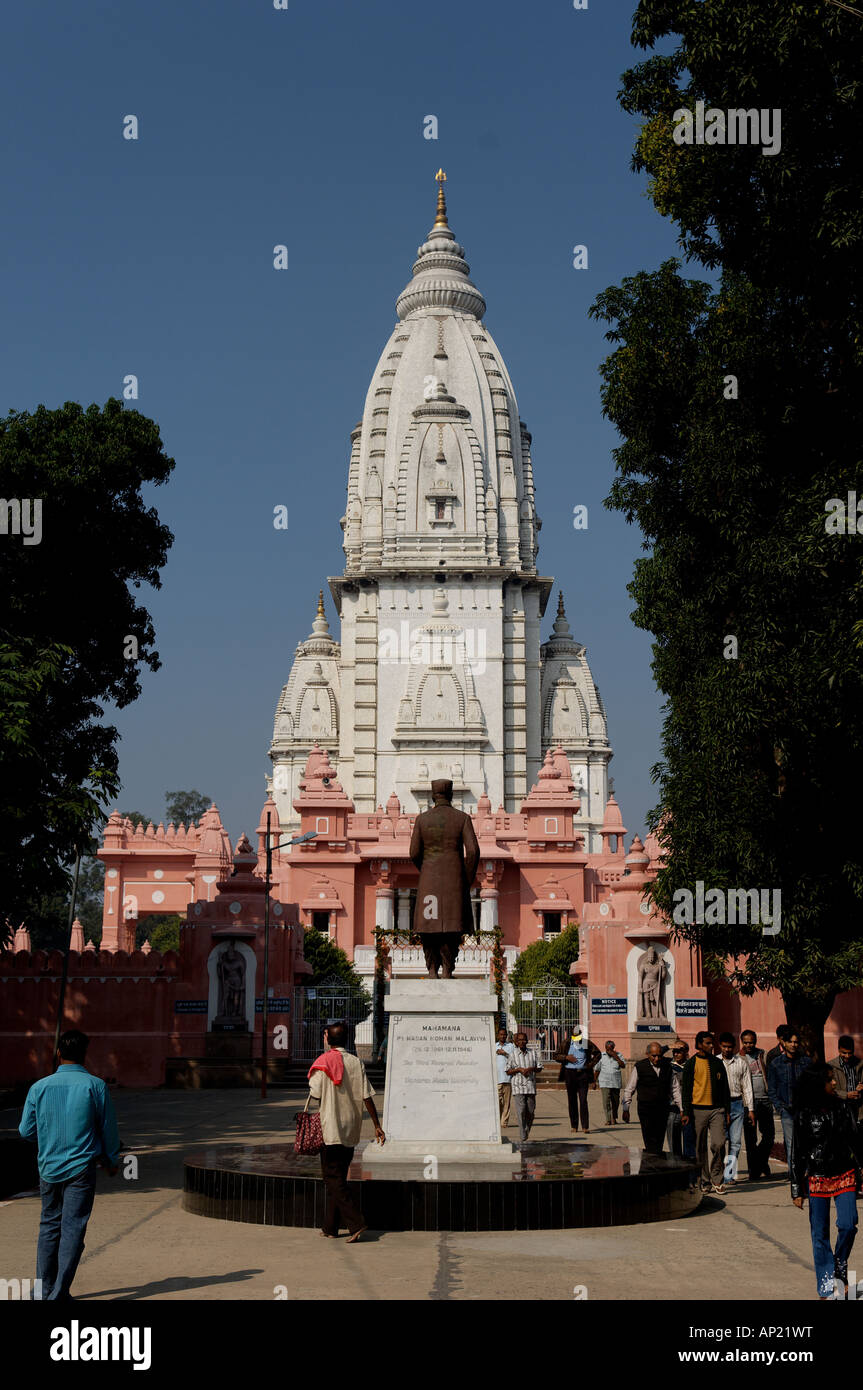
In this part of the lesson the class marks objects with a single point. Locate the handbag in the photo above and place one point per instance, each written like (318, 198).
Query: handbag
(310, 1134)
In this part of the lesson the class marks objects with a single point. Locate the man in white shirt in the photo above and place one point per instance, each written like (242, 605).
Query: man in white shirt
(523, 1067)
(758, 1137)
(503, 1052)
(740, 1086)
(341, 1121)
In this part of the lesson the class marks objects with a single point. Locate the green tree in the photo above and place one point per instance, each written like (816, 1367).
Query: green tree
(72, 634)
(740, 407)
(185, 808)
(162, 930)
(327, 959)
(137, 818)
(48, 919)
(543, 958)
(791, 221)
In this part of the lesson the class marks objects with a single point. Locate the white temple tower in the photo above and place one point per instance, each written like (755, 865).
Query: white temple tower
(440, 671)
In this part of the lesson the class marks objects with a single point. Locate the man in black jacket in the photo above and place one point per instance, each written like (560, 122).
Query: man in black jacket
(707, 1107)
(658, 1087)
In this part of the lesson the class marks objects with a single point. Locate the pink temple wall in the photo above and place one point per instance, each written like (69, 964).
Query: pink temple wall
(530, 861)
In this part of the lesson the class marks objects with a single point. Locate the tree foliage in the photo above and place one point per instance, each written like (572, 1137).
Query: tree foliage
(543, 958)
(326, 959)
(185, 808)
(68, 615)
(729, 483)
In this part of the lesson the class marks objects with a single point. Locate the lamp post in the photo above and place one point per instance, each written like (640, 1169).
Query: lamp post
(64, 975)
(297, 840)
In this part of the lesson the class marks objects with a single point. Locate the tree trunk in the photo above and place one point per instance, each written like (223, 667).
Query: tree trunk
(807, 1017)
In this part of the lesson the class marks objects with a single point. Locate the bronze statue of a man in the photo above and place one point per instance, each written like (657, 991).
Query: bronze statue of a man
(444, 849)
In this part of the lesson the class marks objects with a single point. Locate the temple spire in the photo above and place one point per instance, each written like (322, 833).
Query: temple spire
(440, 219)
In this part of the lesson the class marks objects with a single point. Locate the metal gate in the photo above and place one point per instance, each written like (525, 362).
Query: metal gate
(546, 1011)
(331, 1001)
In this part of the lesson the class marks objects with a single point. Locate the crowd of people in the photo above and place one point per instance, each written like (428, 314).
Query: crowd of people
(707, 1106)
(704, 1107)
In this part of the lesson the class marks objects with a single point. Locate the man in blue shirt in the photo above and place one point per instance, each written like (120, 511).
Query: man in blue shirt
(576, 1071)
(71, 1117)
(782, 1075)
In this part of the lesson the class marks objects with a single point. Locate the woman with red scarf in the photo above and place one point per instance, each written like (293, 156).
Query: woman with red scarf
(826, 1149)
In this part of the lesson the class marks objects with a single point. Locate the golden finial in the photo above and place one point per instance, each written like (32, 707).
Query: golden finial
(320, 613)
(440, 179)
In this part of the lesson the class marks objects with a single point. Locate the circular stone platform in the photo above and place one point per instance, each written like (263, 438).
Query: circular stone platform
(561, 1185)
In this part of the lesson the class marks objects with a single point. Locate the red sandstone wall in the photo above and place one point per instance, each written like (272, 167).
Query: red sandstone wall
(727, 1012)
(123, 1002)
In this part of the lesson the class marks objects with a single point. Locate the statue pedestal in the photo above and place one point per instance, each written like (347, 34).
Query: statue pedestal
(441, 1085)
(235, 1046)
(646, 1033)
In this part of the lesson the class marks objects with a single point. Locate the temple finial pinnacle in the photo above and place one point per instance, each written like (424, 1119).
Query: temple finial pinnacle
(440, 219)
(320, 613)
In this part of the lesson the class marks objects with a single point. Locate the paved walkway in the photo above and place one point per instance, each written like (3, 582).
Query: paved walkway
(750, 1244)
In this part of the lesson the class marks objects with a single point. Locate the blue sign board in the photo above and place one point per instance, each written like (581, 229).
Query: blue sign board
(190, 1006)
(608, 1006)
(274, 1006)
(690, 1008)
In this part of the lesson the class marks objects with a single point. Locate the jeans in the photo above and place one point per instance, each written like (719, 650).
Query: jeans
(66, 1208)
(525, 1109)
(787, 1130)
(829, 1263)
(758, 1150)
(674, 1133)
(688, 1137)
(735, 1137)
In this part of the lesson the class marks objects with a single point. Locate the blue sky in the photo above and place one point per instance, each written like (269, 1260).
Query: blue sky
(154, 257)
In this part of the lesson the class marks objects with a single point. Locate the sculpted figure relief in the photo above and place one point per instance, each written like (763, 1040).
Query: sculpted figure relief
(652, 974)
(444, 849)
(231, 971)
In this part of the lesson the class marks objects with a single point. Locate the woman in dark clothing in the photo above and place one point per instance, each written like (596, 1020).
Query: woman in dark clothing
(826, 1150)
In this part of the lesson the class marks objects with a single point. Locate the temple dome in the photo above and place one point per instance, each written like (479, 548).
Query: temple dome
(440, 471)
(441, 275)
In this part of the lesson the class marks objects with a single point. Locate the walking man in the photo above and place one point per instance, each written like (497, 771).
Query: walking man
(609, 1073)
(338, 1080)
(707, 1107)
(782, 1076)
(848, 1070)
(782, 1032)
(576, 1071)
(675, 1134)
(503, 1053)
(523, 1067)
(757, 1149)
(71, 1117)
(742, 1103)
(658, 1089)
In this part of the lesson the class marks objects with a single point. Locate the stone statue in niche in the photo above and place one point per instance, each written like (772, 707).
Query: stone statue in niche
(445, 850)
(231, 972)
(652, 975)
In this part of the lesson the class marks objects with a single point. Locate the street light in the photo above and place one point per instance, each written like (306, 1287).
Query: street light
(64, 974)
(297, 840)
